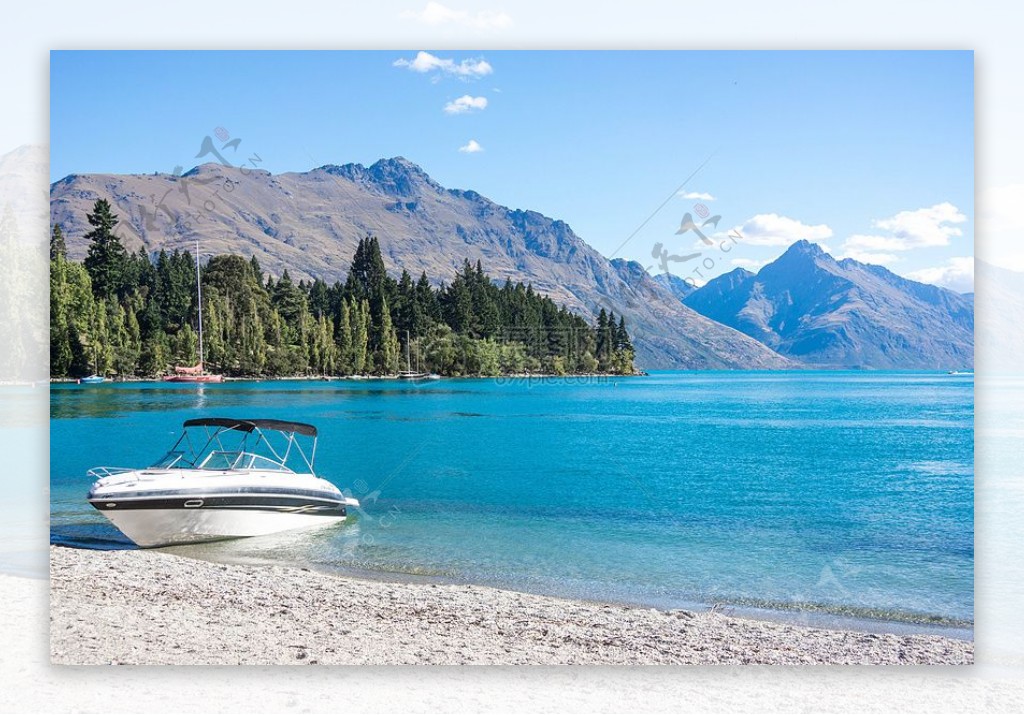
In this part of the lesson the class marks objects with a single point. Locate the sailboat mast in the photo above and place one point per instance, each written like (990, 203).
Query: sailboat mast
(408, 366)
(199, 293)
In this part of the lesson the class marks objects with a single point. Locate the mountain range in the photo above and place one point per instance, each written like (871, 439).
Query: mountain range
(810, 307)
(804, 309)
(310, 222)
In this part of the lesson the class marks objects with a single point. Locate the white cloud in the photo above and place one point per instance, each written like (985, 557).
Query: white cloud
(749, 263)
(424, 62)
(875, 259)
(957, 274)
(907, 230)
(471, 147)
(464, 104)
(435, 14)
(775, 230)
(696, 196)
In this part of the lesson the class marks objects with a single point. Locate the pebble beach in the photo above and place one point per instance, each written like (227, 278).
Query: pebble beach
(149, 607)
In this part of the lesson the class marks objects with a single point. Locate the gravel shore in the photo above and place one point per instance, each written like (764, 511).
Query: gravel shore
(148, 607)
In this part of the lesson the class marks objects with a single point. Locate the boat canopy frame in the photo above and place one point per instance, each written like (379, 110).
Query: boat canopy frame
(248, 427)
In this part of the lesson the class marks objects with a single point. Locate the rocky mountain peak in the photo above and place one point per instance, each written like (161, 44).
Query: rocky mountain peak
(808, 306)
(396, 176)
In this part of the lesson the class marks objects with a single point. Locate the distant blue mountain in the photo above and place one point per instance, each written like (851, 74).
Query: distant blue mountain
(675, 285)
(808, 306)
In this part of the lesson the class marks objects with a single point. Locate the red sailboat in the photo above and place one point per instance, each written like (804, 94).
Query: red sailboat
(195, 373)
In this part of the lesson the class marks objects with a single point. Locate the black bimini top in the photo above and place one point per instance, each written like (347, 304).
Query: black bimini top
(250, 425)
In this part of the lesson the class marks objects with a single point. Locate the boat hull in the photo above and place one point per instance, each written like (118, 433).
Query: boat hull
(195, 519)
(167, 527)
(158, 516)
(194, 378)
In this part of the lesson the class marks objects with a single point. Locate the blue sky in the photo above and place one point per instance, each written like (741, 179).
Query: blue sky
(869, 153)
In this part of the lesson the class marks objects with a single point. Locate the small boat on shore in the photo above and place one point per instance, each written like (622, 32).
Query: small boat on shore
(223, 479)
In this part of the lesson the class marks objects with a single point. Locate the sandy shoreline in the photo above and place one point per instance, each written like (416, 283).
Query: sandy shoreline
(148, 607)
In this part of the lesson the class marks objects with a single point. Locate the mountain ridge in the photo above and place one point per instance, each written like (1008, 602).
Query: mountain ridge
(847, 314)
(309, 223)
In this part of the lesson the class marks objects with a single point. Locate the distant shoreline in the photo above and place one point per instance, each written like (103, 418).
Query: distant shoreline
(359, 378)
(153, 607)
(511, 376)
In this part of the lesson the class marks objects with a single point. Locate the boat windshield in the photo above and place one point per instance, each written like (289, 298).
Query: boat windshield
(230, 445)
(241, 460)
(175, 459)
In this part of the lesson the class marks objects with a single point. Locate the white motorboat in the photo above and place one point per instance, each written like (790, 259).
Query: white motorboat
(223, 479)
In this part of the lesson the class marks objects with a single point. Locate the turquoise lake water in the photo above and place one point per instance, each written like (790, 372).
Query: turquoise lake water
(803, 492)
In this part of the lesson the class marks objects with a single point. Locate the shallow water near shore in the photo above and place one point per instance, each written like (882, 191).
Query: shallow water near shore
(820, 494)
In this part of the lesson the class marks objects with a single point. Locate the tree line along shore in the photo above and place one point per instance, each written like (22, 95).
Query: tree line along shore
(132, 315)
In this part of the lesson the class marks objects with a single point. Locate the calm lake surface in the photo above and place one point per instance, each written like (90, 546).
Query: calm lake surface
(813, 492)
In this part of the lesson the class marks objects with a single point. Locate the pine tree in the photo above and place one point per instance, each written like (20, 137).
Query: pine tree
(58, 248)
(257, 271)
(367, 274)
(459, 306)
(289, 300)
(622, 336)
(406, 310)
(319, 299)
(427, 304)
(107, 259)
(603, 348)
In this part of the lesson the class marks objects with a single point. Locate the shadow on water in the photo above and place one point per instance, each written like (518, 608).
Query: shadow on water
(70, 400)
(98, 537)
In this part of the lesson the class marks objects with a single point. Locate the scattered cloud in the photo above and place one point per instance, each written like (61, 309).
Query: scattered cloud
(775, 230)
(749, 263)
(907, 230)
(435, 14)
(925, 227)
(425, 63)
(875, 259)
(696, 196)
(464, 104)
(471, 147)
(957, 274)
